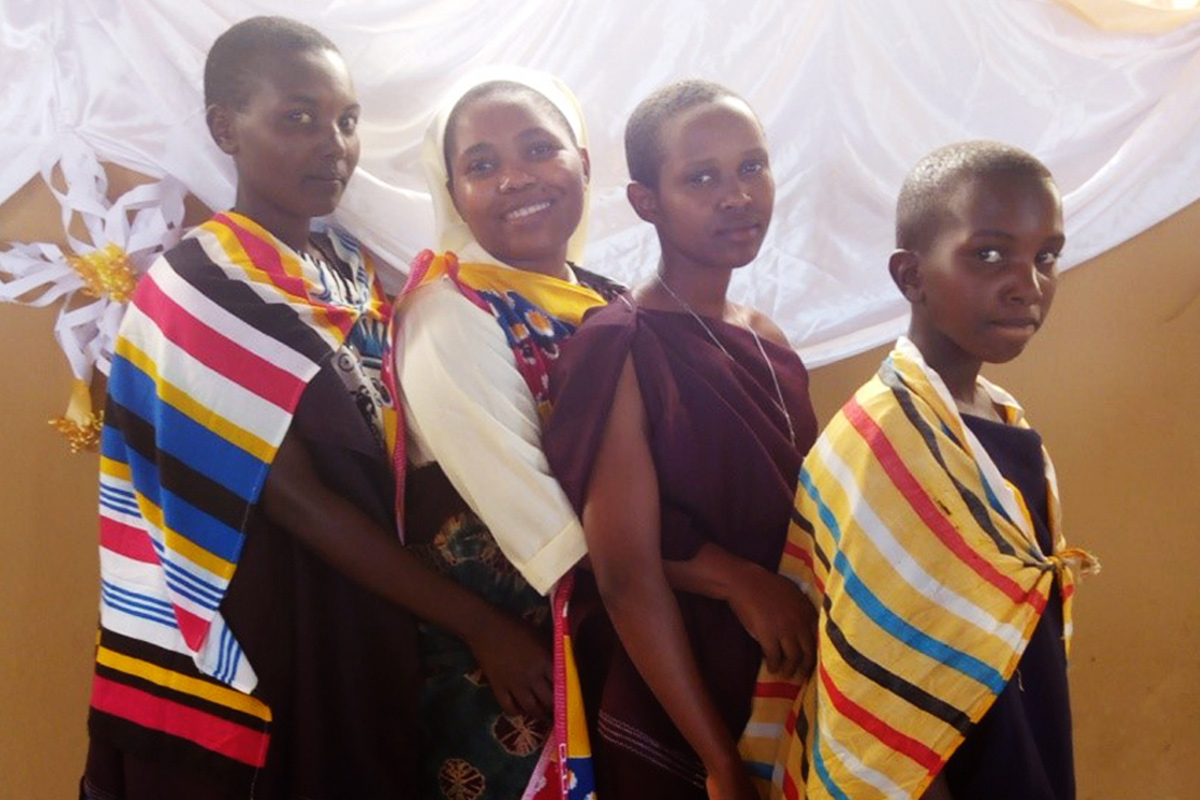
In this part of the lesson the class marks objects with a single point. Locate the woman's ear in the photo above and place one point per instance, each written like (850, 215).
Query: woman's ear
(905, 268)
(644, 201)
(221, 127)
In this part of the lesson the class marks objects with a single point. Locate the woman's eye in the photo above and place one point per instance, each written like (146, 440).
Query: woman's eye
(989, 255)
(701, 180)
(754, 168)
(300, 117)
(542, 149)
(478, 166)
(348, 125)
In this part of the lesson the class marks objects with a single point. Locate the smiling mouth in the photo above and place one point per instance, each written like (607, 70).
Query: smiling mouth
(526, 211)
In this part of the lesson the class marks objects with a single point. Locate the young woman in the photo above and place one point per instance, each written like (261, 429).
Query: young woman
(680, 420)
(250, 640)
(478, 328)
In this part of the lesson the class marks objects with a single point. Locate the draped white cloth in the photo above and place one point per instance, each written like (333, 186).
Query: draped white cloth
(851, 92)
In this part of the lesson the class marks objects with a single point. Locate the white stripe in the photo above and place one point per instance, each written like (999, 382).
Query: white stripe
(235, 329)
(763, 730)
(267, 291)
(883, 783)
(902, 561)
(178, 368)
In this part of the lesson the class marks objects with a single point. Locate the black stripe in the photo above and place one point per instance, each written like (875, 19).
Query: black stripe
(978, 507)
(174, 475)
(898, 686)
(226, 713)
(276, 320)
(174, 662)
(152, 745)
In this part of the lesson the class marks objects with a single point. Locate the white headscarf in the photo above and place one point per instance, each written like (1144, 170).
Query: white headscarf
(452, 231)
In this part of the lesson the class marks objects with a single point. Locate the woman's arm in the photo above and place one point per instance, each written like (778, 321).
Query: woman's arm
(770, 607)
(469, 409)
(517, 663)
(621, 525)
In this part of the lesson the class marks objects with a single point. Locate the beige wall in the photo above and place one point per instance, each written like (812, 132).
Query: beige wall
(1112, 384)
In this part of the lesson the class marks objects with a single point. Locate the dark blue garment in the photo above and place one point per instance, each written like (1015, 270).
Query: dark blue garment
(1022, 746)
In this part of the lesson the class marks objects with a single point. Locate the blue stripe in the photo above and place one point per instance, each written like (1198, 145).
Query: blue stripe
(112, 441)
(138, 605)
(181, 575)
(818, 761)
(228, 644)
(116, 493)
(222, 653)
(198, 527)
(124, 508)
(179, 435)
(758, 769)
(181, 587)
(885, 618)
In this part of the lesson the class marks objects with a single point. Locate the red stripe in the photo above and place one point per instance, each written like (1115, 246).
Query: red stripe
(193, 628)
(218, 352)
(126, 540)
(789, 787)
(210, 732)
(796, 551)
(882, 731)
(787, 691)
(267, 258)
(789, 724)
(927, 510)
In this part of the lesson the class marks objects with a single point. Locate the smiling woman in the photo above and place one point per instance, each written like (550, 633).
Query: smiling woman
(478, 329)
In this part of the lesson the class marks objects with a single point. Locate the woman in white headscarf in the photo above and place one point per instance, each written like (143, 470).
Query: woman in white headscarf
(479, 325)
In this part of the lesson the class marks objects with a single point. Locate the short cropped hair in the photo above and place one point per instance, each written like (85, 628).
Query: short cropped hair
(643, 133)
(921, 207)
(490, 89)
(233, 58)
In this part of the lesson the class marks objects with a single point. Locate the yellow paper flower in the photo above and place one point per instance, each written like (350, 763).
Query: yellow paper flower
(106, 272)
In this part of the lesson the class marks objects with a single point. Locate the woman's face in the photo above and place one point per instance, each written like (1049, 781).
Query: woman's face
(294, 140)
(517, 179)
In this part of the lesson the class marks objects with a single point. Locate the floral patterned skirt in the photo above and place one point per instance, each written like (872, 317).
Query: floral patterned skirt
(472, 749)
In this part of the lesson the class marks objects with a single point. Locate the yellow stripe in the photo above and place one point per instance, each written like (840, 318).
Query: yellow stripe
(291, 267)
(184, 684)
(203, 415)
(115, 469)
(181, 544)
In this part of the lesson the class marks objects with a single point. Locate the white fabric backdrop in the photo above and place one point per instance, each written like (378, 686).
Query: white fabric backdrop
(851, 92)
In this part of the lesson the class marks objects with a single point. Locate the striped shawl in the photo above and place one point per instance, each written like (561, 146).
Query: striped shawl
(929, 579)
(223, 335)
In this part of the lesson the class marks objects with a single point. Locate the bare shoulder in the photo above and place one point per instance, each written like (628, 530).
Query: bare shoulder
(763, 325)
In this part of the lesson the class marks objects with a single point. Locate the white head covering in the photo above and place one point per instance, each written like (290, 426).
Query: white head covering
(452, 231)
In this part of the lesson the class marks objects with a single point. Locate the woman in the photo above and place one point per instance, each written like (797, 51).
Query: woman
(250, 641)
(479, 325)
(680, 420)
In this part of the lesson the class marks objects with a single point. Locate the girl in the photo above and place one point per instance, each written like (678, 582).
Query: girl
(246, 499)
(679, 423)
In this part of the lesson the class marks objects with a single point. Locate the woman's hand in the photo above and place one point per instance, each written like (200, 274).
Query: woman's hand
(779, 617)
(730, 782)
(518, 665)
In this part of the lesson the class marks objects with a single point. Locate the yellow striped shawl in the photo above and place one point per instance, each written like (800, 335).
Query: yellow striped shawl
(929, 579)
